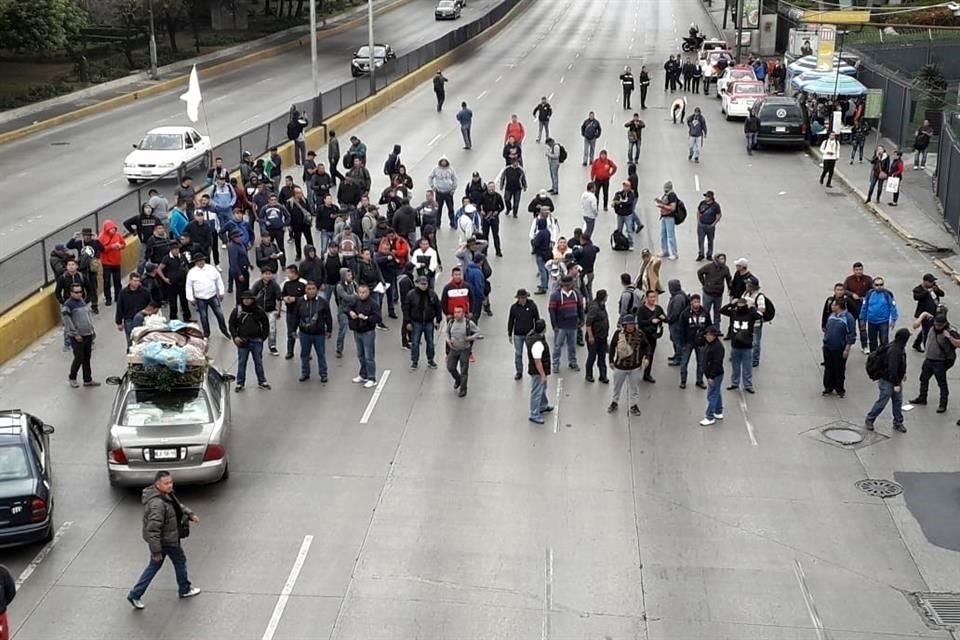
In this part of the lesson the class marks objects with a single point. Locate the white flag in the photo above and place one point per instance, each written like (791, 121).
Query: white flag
(192, 96)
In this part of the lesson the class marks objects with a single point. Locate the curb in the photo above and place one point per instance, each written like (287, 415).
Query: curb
(181, 80)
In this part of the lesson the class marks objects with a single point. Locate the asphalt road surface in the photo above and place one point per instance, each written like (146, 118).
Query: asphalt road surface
(448, 518)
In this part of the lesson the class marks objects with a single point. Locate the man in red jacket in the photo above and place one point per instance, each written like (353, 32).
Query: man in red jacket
(602, 169)
(514, 130)
(111, 258)
(455, 294)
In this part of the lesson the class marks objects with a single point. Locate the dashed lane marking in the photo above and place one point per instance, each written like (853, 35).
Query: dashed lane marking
(481, 94)
(746, 419)
(376, 396)
(37, 559)
(287, 588)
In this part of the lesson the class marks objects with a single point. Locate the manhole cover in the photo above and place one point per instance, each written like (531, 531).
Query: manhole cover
(59, 144)
(843, 435)
(939, 610)
(879, 488)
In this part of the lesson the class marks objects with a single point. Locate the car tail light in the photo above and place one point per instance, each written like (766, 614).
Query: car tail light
(803, 128)
(214, 452)
(117, 456)
(38, 508)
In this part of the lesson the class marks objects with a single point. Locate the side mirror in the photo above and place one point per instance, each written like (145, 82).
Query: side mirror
(113, 380)
(134, 145)
(48, 429)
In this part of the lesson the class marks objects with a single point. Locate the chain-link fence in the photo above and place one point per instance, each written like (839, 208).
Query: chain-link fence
(27, 270)
(948, 169)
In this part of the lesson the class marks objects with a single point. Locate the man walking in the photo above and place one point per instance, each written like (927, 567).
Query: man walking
(839, 334)
(538, 358)
(521, 320)
(249, 327)
(439, 90)
(543, 112)
(590, 130)
(460, 334)
(880, 313)
(566, 316)
(892, 369)
(423, 313)
(626, 85)
(166, 521)
(629, 355)
(713, 353)
(78, 326)
(668, 204)
(939, 356)
(927, 295)
(697, 134)
(465, 118)
(708, 217)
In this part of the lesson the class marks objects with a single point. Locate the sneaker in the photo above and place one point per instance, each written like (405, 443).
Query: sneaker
(91, 383)
(613, 407)
(323, 379)
(518, 376)
(547, 409)
(369, 384)
(382, 326)
(413, 366)
(575, 367)
(700, 385)
(941, 409)
(683, 385)
(238, 388)
(589, 378)
(431, 364)
(706, 422)
(303, 378)
(604, 380)
(919, 400)
(288, 356)
(749, 390)
(900, 428)
(264, 385)
(108, 302)
(868, 424)
(359, 380)
(718, 416)
(274, 351)
(189, 594)
(700, 258)
(649, 379)
(339, 354)
(866, 351)
(136, 603)
(733, 387)
(535, 420)
(74, 384)
(634, 410)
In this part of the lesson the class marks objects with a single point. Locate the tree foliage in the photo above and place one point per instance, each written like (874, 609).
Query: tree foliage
(40, 26)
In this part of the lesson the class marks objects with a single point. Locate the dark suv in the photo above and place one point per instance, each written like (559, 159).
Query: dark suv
(783, 121)
(26, 495)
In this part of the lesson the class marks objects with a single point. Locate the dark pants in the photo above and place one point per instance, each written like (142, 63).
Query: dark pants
(441, 96)
(604, 186)
(299, 235)
(445, 198)
(828, 167)
(705, 235)
(626, 97)
(512, 201)
(714, 303)
(92, 289)
(695, 85)
(492, 225)
(82, 351)
(597, 352)
(686, 350)
(875, 181)
(936, 369)
(276, 235)
(252, 347)
(855, 147)
(834, 370)
(176, 295)
(878, 334)
(921, 340)
(203, 307)
(687, 81)
(422, 330)
(179, 559)
(315, 342)
(111, 274)
(458, 364)
(653, 349)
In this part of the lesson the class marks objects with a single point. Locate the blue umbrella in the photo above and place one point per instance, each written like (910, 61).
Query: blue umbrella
(808, 63)
(834, 84)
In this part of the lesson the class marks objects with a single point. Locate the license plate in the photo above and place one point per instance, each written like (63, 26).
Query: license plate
(165, 454)
(781, 129)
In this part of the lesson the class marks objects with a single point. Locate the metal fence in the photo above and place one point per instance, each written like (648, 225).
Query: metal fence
(948, 170)
(26, 271)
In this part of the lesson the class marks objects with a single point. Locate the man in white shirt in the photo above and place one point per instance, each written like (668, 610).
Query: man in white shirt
(205, 290)
(552, 225)
(588, 204)
(426, 260)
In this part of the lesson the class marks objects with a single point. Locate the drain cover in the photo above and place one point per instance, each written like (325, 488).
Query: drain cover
(843, 435)
(940, 610)
(879, 488)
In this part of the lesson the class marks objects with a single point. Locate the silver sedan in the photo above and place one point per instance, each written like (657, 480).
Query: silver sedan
(183, 430)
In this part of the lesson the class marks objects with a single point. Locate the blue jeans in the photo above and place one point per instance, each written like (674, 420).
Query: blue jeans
(203, 307)
(179, 559)
(668, 236)
(757, 339)
(878, 333)
(465, 134)
(623, 226)
(887, 393)
(694, 143)
(751, 140)
(715, 302)
(519, 346)
(422, 330)
(324, 238)
(554, 175)
(343, 323)
(252, 347)
(366, 352)
(559, 337)
(538, 398)
(633, 151)
(686, 350)
(862, 330)
(544, 130)
(705, 232)
(542, 270)
(920, 157)
(742, 360)
(318, 343)
(715, 397)
(589, 224)
(589, 147)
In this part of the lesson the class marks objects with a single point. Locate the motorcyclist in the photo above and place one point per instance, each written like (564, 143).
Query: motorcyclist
(694, 31)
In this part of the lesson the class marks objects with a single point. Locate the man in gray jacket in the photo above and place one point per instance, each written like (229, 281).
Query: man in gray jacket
(553, 163)
(443, 181)
(165, 522)
(80, 333)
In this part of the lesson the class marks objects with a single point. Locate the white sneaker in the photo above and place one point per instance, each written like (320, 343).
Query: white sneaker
(219, 268)
(369, 384)
(359, 380)
(718, 416)
(189, 594)
(706, 422)
(866, 351)
(136, 603)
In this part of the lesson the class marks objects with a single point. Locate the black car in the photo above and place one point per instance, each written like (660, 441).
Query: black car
(26, 494)
(783, 121)
(360, 65)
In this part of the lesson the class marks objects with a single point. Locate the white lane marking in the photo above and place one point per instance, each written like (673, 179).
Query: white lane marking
(376, 396)
(109, 182)
(434, 140)
(746, 419)
(561, 79)
(499, 78)
(577, 56)
(547, 595)
(550, 97)
(287, 588)
(569, 66)
(37, 559)
(696, 183)
(481, 94)
(808, 600)
(556, 406)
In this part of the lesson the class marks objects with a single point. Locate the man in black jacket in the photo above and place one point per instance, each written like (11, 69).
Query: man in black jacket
(714, 277)
(513, 182)
(890, 383)
(311, 267)
(422, 314)
(743, 319)
(292, 290)
(839, 293)
(267, 294)
(713, 353)
(927, 294)
(172, 276)
(315, 325)
(132, 299)
(521, 320)
(70, 277)
(249, 327)
(691, 334)
(364, 314)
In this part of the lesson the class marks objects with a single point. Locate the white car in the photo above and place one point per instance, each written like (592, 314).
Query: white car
(736, 101)
(164, 151)
(734, 74)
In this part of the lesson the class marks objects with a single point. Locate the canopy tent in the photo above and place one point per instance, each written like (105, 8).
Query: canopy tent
(809, 63)
(832, 83)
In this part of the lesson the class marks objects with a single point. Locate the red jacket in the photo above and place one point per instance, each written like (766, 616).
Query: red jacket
(896, 168)
(113, 244)
(602, 169)
(514, 129)
(455, 294)
(400, 248)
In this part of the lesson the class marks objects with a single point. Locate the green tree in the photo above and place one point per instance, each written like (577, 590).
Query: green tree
(40, 26)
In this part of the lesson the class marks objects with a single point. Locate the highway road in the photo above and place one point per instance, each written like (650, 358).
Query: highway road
(412, 513)
(70, 170)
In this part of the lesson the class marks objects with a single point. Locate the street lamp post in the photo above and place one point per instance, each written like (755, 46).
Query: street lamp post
(154, 75)
(373, 81)
(740, 4)
(314, 69)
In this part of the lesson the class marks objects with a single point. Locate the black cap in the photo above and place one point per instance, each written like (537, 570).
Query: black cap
(522, 293)
(714, 330)
(940, 319)
(247, 295)
(199, 256)
(929, 277)
(566, 280)
(708, 193)
(87, 231)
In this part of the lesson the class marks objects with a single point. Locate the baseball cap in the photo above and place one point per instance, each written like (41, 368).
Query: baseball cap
(60, 247)
(566, 280)
(247, 295)
(929, 277)
(422, 280)
(628, 318)
(522, 293)
(940, 319)
(708, 193)
(740, 262)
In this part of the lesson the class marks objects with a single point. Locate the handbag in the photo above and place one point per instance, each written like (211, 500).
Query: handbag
(893, 185)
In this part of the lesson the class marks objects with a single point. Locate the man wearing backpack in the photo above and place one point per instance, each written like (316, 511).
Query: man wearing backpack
(765, 310)
(630, 298)
(888, 366)
(939, 355)
(669, 204)
(839, 333)
(880, 312)
(553, 164)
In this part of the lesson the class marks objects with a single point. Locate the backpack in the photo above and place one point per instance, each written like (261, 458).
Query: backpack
(769, 311)
(680, 213)
(876, 365)
(636, 301)
(618, 241)
(563, 154)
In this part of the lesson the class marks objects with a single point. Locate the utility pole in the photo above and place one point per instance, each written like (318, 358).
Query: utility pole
(154, 75)
(740, 4)
(373, 68)
(314, 69)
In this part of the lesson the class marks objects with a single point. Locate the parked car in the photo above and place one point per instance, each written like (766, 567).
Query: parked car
(783, 121)
(360, 65)
(26, 477)
(733, 74)
(711, 68)
(739, 96)
(447, 10)
(164, 151)
(185, 430)
(712, 44)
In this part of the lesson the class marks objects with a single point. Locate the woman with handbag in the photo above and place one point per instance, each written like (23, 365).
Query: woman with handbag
(896, 176)
(879, 171)
(830, 148)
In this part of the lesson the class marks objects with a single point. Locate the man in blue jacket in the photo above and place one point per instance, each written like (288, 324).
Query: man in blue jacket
(880, 311)
(222, 199)
(476, 282)
(239, 261)
(839, 334)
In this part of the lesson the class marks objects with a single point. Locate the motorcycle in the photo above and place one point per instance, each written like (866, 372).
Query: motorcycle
(692, 43)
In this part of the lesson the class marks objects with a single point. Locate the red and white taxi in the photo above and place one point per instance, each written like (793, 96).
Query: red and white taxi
(734, 74)
(740, 96)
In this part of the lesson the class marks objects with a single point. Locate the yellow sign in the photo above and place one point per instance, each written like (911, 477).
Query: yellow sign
(836, 17)
(827, 38)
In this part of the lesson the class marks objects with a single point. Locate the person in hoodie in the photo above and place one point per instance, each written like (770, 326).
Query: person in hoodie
(268, 295)
(111, 259)
(315, 325)
(325, 221)
(693, 323)
(743, 319)
(675, 306)
(713, 353)
(443, 182)
(131, 301)
(222, 199)
(330, 268)
(539, 201)
(839, 334)
(156, 247)
(476, 283)
(542, 253)
(58, 260)
(475, 189)
(171, 274)
(879, 309)
(142, 226)
(79, 329)
(293, 288)
(405, 284)
(249, 326)
(890, 383)
(391, 167)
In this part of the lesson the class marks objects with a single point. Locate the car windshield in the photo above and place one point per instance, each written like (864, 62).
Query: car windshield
(738, 74)
(13, 463)
(167, 408)
(747, 89)
(161, 142)
(445, 4)
(378, 52)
